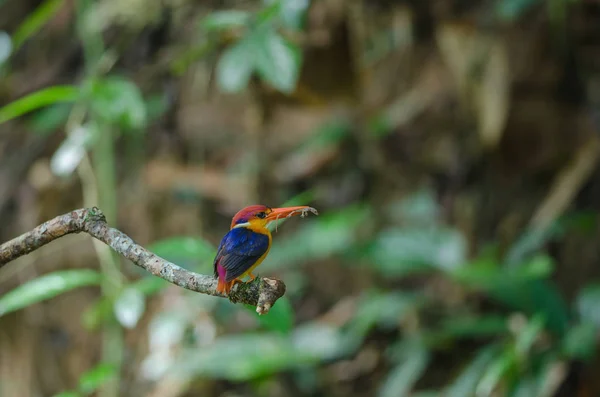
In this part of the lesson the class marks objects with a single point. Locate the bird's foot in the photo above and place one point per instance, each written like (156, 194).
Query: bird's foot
(235, 281)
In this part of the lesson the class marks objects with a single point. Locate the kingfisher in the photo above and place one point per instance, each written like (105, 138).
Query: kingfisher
(248, 243)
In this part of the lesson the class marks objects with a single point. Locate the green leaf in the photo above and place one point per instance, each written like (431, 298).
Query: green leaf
(35, 21)
(474, 326)
(292, 12)
(399, 251)
(402, 378)
(495, 372)
(528, 335)
(149, 285)
(418, 209)
(38, 99)
(521, 288)
(185, 251)
(466, 382)
(525, 386)
(5, 46)
(269, 14)
(382, 309)
(588, 304)
(242, 357)
(533, 240)
(49, 119)
(545, 378)
(322, 341)
(96, 377)
(46, 287)
(119, 101)
(279, 319)
(530, 242)
(97, 313)
(235, 66)
(222, 20)
(277, 60)
(129, 307)
(536, 297)
(486, 273)
(580, 341)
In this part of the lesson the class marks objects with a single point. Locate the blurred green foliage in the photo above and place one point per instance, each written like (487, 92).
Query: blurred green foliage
(279, 344)
(192, 253)
(250, 356)
(507, 350)
(35, 21)
(90, 381)
(46, 287)
(262, 49)
(117, 101)
(38, 99)
(280, 318)
(530, 329)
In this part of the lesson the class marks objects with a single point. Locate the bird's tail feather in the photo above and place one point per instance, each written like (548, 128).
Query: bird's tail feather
(223, 287)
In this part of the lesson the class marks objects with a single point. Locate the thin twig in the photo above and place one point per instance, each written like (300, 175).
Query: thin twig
(567, 184)
(262, 292)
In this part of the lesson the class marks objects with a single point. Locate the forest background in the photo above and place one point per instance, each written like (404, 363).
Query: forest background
(450, 146)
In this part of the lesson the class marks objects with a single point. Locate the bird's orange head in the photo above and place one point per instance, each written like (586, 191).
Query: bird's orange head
(257, 217)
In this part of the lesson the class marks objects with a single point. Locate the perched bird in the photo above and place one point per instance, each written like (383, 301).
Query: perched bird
(248, 242)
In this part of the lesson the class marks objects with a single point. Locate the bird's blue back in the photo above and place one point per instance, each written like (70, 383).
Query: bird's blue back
(240, 248)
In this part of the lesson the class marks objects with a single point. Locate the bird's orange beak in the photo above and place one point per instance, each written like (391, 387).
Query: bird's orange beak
(286, 212)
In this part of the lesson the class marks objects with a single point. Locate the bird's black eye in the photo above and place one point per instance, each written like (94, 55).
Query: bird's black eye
(262, 215)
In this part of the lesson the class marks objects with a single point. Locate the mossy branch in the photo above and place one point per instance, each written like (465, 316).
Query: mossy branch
(262, 293)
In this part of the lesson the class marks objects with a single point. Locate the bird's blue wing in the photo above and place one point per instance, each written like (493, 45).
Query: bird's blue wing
(239, 250)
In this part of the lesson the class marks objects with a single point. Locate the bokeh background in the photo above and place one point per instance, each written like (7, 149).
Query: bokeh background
(451, 147)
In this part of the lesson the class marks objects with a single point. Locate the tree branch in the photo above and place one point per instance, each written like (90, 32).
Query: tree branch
(262, 292)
